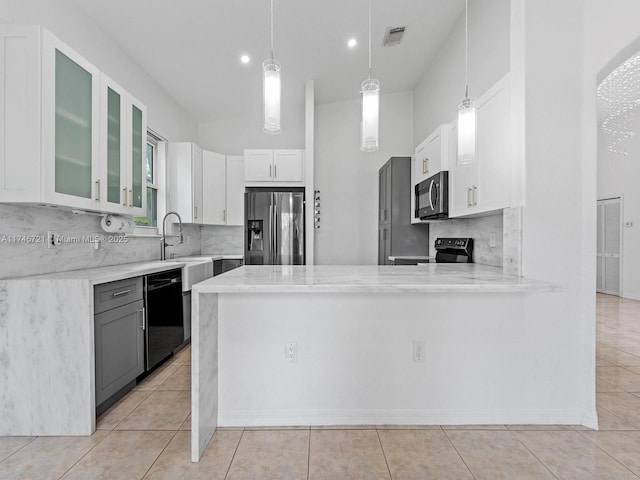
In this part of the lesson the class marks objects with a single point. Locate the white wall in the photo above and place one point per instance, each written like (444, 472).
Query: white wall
(441, 88)
(348, 178)
(560, 200)
(80, 32)
(233, 135)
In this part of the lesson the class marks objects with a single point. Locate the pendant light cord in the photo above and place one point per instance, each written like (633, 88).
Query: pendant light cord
(466, 48)
(271, 29)
(369, 39)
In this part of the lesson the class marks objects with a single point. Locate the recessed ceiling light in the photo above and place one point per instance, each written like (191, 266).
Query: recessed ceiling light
(245, 59)
(352, 42)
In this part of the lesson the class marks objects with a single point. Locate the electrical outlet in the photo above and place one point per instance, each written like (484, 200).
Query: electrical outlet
(53, 239)
(418, 351)
(492, 240)
(291, 352)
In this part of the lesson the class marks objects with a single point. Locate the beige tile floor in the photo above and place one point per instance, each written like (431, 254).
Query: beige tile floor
(146, 435)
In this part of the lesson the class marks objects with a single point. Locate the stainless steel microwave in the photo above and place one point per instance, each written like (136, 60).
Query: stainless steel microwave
(432, 197)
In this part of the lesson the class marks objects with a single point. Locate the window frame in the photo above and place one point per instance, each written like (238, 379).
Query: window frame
(159, 145)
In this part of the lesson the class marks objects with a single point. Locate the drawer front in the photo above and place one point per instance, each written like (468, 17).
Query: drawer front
(114, 294)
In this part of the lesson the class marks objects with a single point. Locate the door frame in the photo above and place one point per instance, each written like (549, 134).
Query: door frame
(620, 198)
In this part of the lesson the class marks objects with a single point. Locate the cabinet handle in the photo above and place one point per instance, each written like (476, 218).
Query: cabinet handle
(117, 294)
(224, 215)
(124, 193)
(469, 196)
(97, 190)
(195, 212)
(130, 197)
(270, 167)
(275, 171)
(475, 195)
(425, 166)
(144, 320)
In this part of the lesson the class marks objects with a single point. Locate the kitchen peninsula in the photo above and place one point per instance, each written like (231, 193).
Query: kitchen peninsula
(345, 345)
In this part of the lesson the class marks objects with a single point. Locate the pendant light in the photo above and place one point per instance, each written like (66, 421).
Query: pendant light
(467, 108)
(370, 89)
(271, 90)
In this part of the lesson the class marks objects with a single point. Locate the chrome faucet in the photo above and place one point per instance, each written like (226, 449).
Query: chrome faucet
(163, 253)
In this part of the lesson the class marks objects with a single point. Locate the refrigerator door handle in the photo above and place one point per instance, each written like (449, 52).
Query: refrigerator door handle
(276, 226)
(271, 232)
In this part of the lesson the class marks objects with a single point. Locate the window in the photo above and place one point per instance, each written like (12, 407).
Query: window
(155, 184)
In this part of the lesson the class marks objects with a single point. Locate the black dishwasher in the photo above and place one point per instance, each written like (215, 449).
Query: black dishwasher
(165, 328)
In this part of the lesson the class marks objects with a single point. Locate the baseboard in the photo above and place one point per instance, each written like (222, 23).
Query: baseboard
(631, 296)
(590, 419)
(253, 418)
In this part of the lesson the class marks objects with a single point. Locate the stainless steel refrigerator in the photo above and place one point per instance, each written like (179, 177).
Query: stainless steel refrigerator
(274, 226)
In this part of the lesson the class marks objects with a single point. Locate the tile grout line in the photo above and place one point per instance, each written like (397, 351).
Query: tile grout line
(586, 437)
(459, 454)
(85, 454)
(234, 454)
(535, 456)
(160, 454)
(635, 428)
(384, 455)
(20, 448)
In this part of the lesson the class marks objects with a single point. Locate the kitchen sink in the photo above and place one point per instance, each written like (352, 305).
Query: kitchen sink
(195, 270)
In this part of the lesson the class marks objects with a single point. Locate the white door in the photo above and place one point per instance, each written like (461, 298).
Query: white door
(609, 248)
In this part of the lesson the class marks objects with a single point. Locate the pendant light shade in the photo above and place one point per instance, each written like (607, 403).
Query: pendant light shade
(466, 131)
(467, 108)
(271, 94)
(370, 89)
(271, 90)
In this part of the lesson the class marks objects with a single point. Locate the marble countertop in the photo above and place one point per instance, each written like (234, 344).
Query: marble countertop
(431, 278)
(113, 273)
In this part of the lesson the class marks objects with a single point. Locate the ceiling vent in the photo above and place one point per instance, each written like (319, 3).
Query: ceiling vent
(393, 36)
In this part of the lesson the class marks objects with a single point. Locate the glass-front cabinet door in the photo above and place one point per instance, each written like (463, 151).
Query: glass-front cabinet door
(136, 158)
(70, 126)
(112, 185)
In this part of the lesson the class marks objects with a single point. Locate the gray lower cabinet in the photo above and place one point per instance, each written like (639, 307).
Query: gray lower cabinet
(119, 345)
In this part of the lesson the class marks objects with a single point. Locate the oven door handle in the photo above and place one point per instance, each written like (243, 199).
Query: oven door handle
(429, 194)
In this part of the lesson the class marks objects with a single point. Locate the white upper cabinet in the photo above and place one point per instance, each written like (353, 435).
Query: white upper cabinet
(122, 185)
(184, 181)
(70, 126)
(430, 157)
(205, 187)
(262, 166)
(485, 185)
(58, 125)
(287, 166)
(433, 154)
(235, 190)
(258, 165)
(214, 189)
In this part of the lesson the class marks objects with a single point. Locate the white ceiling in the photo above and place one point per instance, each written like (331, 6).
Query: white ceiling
(192, 47)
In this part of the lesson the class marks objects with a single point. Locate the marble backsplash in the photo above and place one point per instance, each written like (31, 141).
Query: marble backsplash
(479, 229)
(222, 239)
(20, 258)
